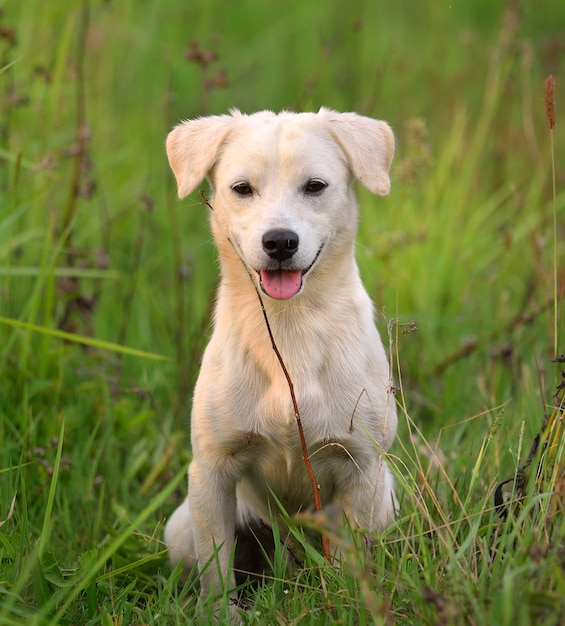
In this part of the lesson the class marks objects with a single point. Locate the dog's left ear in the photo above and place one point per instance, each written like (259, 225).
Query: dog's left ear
(368, 145)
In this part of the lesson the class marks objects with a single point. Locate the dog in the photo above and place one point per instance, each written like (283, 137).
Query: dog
(284, 219)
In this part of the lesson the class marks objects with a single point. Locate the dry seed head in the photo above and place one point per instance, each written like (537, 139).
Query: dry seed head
(550, 102)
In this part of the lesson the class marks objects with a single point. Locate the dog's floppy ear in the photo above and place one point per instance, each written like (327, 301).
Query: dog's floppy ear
(368, 145)
(192, 148)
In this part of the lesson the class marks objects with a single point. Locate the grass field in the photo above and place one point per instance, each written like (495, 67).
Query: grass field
(107, 280)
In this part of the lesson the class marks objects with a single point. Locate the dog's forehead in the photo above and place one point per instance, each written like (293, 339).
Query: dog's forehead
(294, 142)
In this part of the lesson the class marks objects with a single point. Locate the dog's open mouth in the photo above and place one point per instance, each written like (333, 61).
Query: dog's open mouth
(281, 284)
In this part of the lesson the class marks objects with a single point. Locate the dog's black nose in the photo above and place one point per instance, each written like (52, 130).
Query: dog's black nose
(280, 244)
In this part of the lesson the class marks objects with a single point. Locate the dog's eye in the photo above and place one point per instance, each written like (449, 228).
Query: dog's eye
(314, 186)
(243, 189)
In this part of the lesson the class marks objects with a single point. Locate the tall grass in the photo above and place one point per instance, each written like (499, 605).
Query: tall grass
(106, 286)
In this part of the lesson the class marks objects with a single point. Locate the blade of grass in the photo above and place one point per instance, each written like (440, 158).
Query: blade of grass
(62, 272)
(45, 530)
(87, 341)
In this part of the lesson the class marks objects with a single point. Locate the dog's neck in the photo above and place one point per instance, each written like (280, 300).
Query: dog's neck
(322, 295)
(240, 322)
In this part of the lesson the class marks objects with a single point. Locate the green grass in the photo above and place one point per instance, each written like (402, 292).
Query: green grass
(107, 280)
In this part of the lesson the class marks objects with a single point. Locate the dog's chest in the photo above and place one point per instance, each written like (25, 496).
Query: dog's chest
(279, 470)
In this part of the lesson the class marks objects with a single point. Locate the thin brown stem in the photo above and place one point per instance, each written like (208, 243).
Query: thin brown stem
(305, 455)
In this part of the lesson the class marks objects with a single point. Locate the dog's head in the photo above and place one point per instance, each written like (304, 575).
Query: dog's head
(281, 185)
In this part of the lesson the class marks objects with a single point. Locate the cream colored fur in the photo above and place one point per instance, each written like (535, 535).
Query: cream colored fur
(244, 435)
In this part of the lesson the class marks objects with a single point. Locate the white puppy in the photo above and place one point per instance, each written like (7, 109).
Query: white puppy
(284, 220)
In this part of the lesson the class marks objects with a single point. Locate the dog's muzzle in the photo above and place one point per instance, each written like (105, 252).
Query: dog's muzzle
(284, 281)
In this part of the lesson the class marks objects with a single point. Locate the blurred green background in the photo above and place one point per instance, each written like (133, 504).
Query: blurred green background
(95, 244)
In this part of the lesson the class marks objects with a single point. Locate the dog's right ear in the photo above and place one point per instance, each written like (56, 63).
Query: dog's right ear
(193, 146)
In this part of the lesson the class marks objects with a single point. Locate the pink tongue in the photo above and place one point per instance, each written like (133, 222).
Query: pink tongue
(281, 284)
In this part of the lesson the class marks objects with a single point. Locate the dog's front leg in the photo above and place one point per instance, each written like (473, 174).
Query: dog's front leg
(212, 499)
(370, 501)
